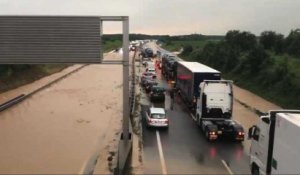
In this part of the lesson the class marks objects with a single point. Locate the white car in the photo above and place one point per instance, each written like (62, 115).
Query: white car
(145, 61)
(151, 70)
(156, 117)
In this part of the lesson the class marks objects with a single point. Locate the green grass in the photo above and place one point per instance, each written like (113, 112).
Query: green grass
(23, 77)
(111, 45)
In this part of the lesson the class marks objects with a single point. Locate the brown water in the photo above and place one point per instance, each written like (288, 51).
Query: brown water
(35, 85)
(58, 129)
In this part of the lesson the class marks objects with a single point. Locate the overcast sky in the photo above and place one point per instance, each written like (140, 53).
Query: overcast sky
(173, 17)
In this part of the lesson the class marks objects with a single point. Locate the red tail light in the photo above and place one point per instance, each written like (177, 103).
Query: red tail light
(212, 133)
(241, 133)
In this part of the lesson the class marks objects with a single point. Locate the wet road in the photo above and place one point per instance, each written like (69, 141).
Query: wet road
(183, 149)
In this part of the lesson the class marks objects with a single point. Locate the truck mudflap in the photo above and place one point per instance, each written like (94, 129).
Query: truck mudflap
(239, 134)
(210, 130)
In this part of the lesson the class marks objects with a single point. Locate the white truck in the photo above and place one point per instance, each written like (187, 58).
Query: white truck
(214, 111)
(275, 143)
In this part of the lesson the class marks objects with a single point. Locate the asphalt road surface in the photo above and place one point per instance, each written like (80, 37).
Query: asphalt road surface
(182, 149)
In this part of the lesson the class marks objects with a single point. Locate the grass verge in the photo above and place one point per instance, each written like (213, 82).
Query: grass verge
(23, 77)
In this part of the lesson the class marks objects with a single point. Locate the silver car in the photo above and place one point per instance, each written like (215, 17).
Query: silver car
(156, 117)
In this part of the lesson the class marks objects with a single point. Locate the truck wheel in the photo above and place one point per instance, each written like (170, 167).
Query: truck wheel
(254, 170)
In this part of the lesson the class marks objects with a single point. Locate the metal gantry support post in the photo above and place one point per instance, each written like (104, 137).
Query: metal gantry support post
(126, 111)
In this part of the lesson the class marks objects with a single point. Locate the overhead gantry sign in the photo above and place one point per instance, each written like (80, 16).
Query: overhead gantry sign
(65, 39)
(51, 39)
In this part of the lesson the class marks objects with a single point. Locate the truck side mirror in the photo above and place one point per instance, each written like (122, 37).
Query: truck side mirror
(266, 120)
(251, 132)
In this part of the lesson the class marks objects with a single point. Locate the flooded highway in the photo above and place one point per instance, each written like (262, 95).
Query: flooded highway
(59, 129)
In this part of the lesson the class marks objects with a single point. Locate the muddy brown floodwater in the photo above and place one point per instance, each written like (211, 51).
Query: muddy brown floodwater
(59, 129)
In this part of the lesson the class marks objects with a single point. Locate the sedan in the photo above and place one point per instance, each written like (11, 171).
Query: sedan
(151, 70)
(149, 84)
(156, 117)
(157, 93)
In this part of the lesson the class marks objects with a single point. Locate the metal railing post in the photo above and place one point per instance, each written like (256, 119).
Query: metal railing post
(126, 112)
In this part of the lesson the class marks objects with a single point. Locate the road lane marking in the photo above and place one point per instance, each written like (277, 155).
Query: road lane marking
(227, 167)
(161, 155)
(193, 117)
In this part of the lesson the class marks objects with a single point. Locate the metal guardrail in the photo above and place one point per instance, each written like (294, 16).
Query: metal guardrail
(133, 83)
(12, 102)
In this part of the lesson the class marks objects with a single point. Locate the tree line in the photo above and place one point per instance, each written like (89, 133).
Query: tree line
(266, 64)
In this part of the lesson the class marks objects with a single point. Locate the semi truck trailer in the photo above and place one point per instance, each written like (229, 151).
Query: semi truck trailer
(275, 144)
(214, 111)
(189, 75)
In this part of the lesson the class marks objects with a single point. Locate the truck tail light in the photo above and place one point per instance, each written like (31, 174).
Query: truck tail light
(212, 133)
(241, 133)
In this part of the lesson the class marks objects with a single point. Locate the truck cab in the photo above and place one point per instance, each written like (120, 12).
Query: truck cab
(214, 110)
(275, 144)
(259, 145)
(215, 100)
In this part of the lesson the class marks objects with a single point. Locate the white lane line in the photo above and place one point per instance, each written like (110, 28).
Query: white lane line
(227, 167)
(161, 155)
(193, 116)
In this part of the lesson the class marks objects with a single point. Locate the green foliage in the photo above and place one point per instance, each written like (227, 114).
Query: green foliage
(111, 45)
(187, 49)
(292, 43)
(259, 67)
(12, 76)
(243, 41)
(272, 41)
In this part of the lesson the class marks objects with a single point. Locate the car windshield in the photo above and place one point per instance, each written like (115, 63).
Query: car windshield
(146, 59)
(151, 82)
(158, 89)
(158, 116)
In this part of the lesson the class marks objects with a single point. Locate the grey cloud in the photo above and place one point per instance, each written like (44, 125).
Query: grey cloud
(174, 16)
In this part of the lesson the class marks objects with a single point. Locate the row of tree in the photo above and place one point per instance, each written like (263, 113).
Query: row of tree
(250, 62)
(269, 40)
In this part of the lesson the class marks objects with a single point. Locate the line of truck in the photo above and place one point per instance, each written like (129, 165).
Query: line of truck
(274, 139)
(208, 97)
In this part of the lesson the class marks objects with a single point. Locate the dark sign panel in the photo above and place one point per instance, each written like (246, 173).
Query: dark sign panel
(49, 39)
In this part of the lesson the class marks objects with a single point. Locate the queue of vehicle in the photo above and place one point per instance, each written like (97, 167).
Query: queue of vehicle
(274, 149)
